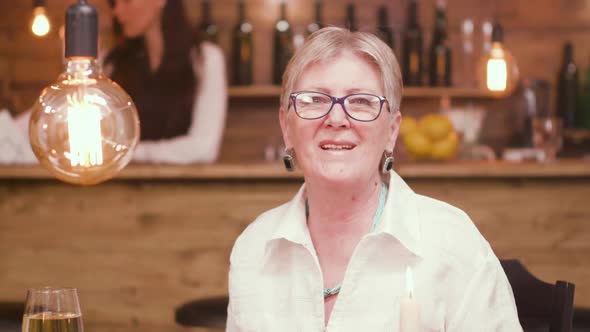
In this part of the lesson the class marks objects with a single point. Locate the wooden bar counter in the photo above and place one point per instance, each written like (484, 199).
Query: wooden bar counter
(139, 246)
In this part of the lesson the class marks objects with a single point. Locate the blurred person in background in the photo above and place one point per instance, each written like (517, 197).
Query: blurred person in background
(178, 83)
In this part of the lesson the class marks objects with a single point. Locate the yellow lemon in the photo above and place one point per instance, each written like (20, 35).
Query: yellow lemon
(409, 124)
(435, 126)
(445, 149)
(417, 144)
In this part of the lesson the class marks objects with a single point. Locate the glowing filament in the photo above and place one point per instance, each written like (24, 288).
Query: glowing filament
(84, 134)
(497, 74)
(497, 69)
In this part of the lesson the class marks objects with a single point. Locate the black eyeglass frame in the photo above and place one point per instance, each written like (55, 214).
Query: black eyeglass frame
(336, 100)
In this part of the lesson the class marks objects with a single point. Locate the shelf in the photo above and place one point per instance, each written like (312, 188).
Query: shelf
(447, 92)
(563, 168)
(271, 91)
(255, 91)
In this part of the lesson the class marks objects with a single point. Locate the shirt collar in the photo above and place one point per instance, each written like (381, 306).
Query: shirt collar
(292, 224)
(399, 219)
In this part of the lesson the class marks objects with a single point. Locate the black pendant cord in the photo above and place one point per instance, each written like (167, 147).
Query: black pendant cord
(39, 3)
(497, 33)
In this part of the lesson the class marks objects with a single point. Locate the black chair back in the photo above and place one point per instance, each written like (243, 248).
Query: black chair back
(540, 304)
(11, 316)
(208, 312)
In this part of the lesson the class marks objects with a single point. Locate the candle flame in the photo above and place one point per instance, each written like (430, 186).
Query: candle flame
(409, 282)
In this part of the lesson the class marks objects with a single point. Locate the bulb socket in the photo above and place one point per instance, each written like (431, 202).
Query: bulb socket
(81, 30)
(497, 33)
(382, 16)
(568, 51)
(38, 3)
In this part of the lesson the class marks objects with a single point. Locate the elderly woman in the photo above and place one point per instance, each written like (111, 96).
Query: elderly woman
(336, 256)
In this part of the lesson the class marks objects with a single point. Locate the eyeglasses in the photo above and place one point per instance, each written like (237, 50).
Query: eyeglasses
(310, 105)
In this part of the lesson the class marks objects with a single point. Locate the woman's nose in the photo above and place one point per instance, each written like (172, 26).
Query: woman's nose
(337, 117)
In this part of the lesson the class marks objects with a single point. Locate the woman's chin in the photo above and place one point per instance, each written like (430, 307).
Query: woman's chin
(131, 33)
(337, 174)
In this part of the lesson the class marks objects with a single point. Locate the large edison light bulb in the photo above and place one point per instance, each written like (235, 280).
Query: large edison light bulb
(83, 127)
(498, 72)
(40, 25)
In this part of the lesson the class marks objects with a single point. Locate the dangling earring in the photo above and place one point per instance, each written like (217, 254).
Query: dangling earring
(387, 163)
(289, 160)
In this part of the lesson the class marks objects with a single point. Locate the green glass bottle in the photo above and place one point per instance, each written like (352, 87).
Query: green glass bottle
(583, 110)
(440, 53)
(242, 49)
(384, 29)
(350, 21)
(412, 48)
(208, 30)
(317, 23)
(567, 88)
(282, 45)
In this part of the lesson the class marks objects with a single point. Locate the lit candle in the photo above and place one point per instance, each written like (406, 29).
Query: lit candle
(409, 315)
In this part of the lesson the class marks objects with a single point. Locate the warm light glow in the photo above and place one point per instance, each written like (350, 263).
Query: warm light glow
(84, 127)
(84, 133)
(62, 32)
(282, 25)
(409, 282)
(497, 71)
(40, 25)
(497, 75)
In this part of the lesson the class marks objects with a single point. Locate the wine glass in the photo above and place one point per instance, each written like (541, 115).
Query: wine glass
(548, 136)
(52, 310)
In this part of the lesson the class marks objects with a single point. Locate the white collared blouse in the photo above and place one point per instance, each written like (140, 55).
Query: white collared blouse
(275, 281)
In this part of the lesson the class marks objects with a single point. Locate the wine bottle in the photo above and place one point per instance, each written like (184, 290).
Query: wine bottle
(242, 49)
(282, 45)
(317, 23)
(207, 29)
(412, 48)
(440, 52)
(384, 30)
(567, 89)
(583, 115)
(350, 22)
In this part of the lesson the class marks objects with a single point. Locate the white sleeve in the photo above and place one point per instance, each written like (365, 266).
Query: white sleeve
(22, 122)
(231, 324)
(203, 140)
(488, 304)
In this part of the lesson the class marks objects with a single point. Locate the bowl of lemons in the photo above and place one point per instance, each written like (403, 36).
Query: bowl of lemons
(429, 138)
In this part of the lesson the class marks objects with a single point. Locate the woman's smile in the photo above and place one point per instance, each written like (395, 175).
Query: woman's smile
(337, 146)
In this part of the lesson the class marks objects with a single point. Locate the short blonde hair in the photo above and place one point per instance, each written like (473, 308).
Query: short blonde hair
(327, 43)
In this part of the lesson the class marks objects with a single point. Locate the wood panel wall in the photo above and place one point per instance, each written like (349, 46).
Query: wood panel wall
(137, 249)
(535, 32)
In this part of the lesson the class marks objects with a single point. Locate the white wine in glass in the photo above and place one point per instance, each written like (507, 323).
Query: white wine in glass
(52, 310)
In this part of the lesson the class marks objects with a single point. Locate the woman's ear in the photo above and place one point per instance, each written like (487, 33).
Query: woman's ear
(395, 122)
(285, 128)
